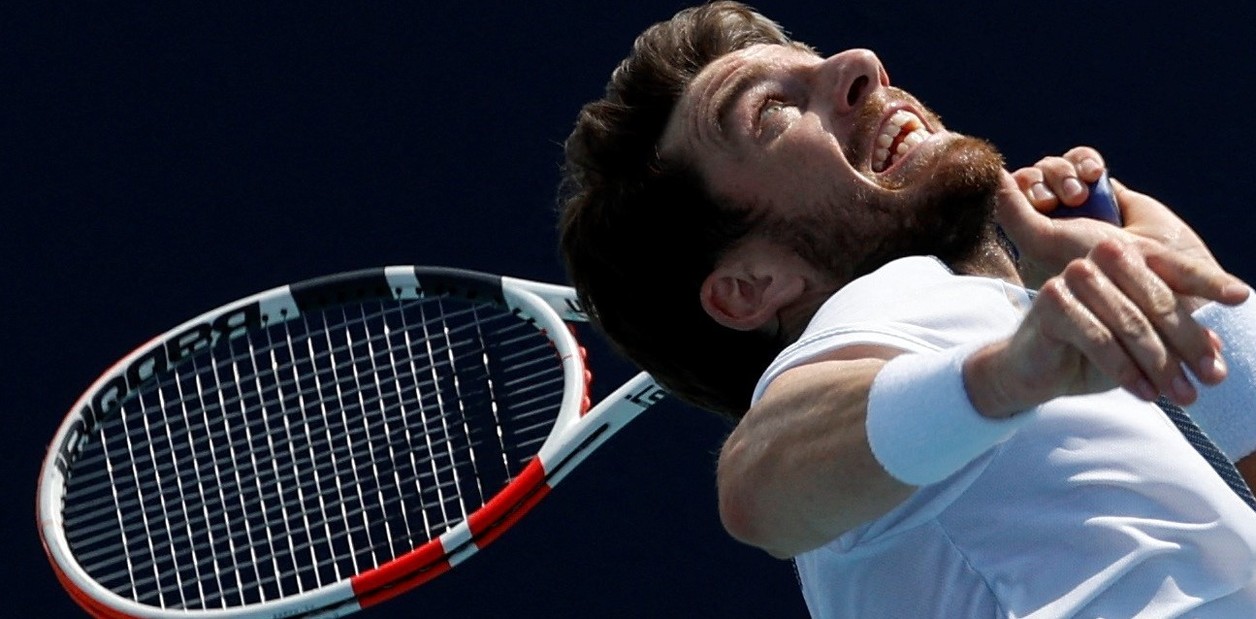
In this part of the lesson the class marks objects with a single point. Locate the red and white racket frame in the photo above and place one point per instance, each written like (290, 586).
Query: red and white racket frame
(577, 432)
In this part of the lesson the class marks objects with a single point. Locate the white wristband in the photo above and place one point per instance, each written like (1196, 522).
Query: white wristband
(921, 425)
(1226, 411)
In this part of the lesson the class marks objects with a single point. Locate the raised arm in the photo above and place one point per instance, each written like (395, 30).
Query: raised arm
(800, 469)
(1048, 244)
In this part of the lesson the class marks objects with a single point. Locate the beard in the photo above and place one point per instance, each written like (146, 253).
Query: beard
(948, 214)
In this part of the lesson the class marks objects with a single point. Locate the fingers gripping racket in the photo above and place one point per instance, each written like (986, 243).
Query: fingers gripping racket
(1100, 204)
(321, 447)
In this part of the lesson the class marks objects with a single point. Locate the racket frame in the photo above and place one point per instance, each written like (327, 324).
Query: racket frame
(576, 433)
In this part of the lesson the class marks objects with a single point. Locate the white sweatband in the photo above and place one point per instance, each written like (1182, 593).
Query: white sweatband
(921, 425)
(1227, 412)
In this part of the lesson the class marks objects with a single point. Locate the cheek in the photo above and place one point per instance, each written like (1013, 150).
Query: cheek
(800, 168)
(813, 166)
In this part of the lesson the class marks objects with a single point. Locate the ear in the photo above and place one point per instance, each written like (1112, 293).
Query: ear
(751, 284)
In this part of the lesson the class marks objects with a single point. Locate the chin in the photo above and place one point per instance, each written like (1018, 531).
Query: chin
(962, 200)
(949, 214)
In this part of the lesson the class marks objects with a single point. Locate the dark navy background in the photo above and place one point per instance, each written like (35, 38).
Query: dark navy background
(159, 160)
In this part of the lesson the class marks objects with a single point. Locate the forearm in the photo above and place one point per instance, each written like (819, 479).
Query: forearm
(993, 386)
(834, 444)
(798, 471)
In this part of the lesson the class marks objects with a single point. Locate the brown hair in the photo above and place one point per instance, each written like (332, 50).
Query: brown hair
(640, 234)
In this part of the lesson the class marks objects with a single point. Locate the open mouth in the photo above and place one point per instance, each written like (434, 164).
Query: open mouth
(900, 133)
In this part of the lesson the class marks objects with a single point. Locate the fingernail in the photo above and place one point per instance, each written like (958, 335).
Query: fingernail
(1234, 290)
(1146, 390)
(1039, 193)
(1072, 187)
(1217, 344)
(1212, 366)
(1182, 390)
(1090, 167)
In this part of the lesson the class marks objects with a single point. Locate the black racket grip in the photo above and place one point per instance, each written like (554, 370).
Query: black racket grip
(1100, 204)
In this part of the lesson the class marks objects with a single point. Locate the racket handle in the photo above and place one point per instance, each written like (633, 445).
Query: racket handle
(1100, 204)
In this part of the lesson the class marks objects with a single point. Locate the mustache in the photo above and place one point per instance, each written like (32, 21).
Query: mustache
(953, 218)
(868, 120)
(947, 212)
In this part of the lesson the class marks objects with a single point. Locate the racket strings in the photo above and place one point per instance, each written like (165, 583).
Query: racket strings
(252, 419)
(86, 516)
(295, 389)
(89, 516)
(249, 420)
(310, 451)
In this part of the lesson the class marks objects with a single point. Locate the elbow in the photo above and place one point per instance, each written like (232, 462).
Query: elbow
(748, 525)
(741, 506)
(737, 515)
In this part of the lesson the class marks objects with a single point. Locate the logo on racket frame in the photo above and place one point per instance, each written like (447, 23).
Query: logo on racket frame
(149, 362)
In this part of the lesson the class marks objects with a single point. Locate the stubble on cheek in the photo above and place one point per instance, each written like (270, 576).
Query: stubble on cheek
(944, 211)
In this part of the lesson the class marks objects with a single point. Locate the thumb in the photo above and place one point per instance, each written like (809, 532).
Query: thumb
(1023, 224)
(1046, 242)
(1136, 207)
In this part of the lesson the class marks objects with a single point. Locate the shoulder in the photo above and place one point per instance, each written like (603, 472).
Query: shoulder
(916, 290)
(912, 304)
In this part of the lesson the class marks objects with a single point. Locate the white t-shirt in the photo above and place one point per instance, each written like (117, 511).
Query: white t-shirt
(1097, 508)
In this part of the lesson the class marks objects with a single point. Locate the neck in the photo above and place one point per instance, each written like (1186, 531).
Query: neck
(792, 319)
(992, 257)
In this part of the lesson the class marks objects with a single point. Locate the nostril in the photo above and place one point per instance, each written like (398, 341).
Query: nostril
(856, 89)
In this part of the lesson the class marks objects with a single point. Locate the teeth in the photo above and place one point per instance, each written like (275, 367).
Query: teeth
(901, 132)
(902, 117)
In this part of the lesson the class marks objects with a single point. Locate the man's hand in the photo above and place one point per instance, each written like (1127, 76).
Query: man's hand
(1111, 318)
(1047, 244)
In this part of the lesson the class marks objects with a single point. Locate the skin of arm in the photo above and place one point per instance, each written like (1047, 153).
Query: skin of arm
(1050, 243)
(798, 471)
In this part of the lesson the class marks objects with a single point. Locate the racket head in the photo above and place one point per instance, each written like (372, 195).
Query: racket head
(538, 387)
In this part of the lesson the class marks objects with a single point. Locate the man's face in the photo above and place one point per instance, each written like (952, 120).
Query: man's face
(851, 171)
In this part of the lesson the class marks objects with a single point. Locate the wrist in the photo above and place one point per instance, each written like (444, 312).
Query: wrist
(921, 424)
(987, 375)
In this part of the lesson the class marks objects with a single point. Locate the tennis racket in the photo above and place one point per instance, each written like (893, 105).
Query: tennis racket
(321, 447)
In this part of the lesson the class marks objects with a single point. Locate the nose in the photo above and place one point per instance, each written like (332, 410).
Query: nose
(853, 75)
